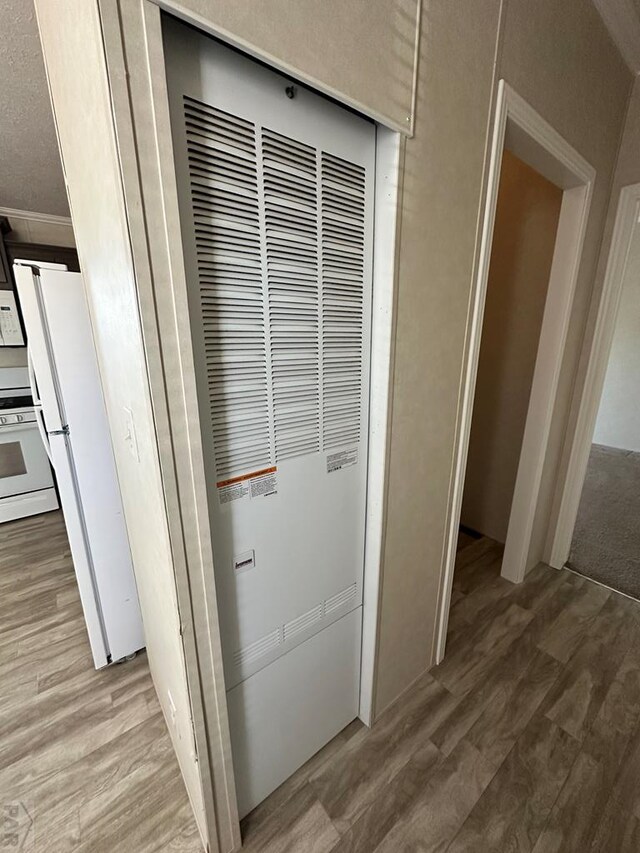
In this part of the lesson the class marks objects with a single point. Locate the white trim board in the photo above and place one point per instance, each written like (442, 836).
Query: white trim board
(627, 219)
(520, 128)
(387, 187)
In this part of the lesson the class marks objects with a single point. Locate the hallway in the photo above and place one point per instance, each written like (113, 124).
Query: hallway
(526, 738)
(86, 763)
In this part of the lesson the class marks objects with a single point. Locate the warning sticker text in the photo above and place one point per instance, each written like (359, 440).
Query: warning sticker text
(342, 459)
(254, 485)
(263, 487)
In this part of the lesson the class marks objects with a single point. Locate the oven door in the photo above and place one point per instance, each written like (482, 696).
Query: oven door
(24, 465)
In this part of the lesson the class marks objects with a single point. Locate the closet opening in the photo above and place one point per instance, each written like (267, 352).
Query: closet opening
(599, 507)
(532, 233)
(525, 230)
(278, 191)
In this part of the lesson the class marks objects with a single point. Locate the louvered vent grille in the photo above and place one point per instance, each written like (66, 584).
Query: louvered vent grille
(341, 598)
(291, 225)
(280, 238)
(343, 219)
(260, 647)
(298, 629)
(225, 198)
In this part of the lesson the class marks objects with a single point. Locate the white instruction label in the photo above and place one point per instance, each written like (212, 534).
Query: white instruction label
(254, 485)
(264, 487)
(233, 492)
(342, 459)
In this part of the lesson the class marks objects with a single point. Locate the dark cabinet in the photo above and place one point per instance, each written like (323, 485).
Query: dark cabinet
(41, 252)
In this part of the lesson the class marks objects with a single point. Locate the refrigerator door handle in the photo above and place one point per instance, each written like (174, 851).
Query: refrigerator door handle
(32, 378)
(42, 430)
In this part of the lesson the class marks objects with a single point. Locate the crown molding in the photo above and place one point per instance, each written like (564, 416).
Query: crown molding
(32, 216)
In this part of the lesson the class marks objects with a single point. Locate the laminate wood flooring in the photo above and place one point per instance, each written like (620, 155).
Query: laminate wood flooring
(86, 764)
(525, 738)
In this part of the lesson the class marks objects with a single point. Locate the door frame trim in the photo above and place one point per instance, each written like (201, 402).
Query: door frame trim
(520, 128)
(386, 220)
(626, 224)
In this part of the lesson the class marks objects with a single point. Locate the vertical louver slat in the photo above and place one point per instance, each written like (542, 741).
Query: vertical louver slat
(226, 212)
(343, 242)
(291, 226)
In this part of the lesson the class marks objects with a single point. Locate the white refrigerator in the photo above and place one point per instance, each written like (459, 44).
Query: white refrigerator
(70, 410)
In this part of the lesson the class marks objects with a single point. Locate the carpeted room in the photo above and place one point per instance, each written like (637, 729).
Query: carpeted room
(606, 539)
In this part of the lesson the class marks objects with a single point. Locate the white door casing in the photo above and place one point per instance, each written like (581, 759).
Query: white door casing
(626, 225)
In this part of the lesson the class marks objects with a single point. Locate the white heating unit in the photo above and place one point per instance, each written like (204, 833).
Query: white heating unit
(26, 481)
(275, 187)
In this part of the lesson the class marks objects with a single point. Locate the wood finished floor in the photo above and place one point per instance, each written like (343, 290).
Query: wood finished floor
(526, 737)
(86, 753)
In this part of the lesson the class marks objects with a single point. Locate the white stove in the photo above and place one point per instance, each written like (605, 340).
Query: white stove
(26, 481)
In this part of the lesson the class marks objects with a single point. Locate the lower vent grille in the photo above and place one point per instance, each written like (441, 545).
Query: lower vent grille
(316, 617)
(296, 626)
(259, 648)
(340, 599)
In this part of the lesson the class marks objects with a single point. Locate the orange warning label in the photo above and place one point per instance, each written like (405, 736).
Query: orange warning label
(222, 483)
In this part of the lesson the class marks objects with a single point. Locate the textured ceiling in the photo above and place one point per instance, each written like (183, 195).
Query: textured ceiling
(30, 172)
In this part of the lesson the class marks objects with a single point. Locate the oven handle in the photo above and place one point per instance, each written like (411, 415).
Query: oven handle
(42, 430)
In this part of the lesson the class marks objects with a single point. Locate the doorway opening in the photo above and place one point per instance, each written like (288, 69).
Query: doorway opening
(605, 545)
(513, 370)
(527, 216)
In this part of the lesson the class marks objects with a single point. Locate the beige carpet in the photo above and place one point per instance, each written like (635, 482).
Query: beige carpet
(606, 541)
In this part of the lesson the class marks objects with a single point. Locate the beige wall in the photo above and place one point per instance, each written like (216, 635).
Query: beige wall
(628, 165)
(619, 416)
(523, 241)
(362, 51)
(557, 55)
(443, 186)
(576, 79)
(627, 171)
